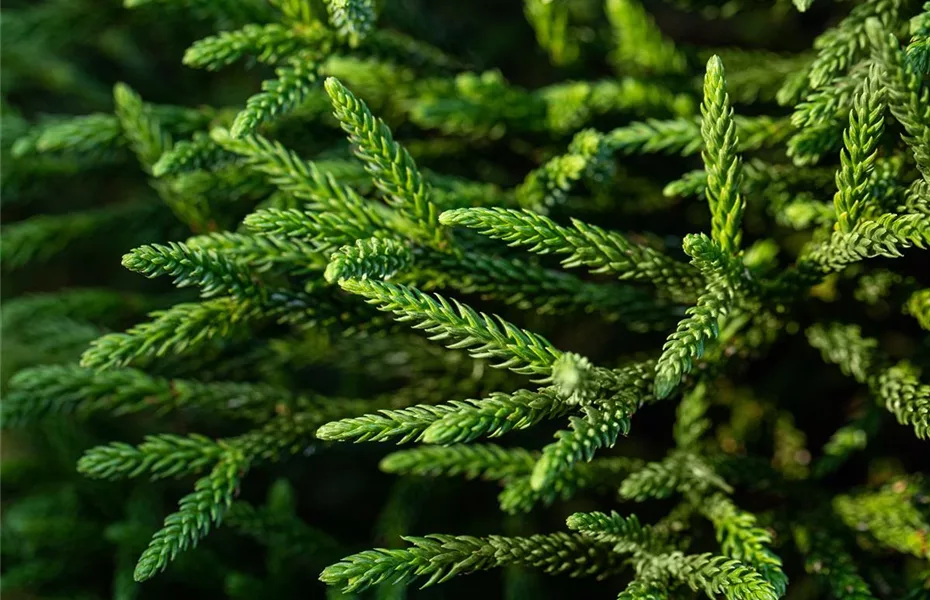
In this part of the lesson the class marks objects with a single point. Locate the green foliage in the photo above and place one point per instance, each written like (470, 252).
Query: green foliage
(860, 140)
(918, 51)
(55, 389)
(586, 245)
(715, 575)
(206, 269)
(826, 558)
(390, 165)
(890, 515)
(598, 428)
(722, 165)
(278, 96)
(907, 97)
(481, 335)
(145, 135)
(550, 21)
(918, 305)
(640, 44)
(176, 329)
(374, 257)
(741, 539)
(471, 461)
(441, 556)
(197, 513)
(459, 421)
(897, 386)
(43, 237)
(353, 19)
(334, 231)
(841, 47)
(269, 44)
(627, 534)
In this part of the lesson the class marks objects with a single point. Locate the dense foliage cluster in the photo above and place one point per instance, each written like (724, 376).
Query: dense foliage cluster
(658, 270)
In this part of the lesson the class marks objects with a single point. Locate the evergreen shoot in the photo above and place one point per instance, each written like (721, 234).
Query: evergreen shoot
(548, 299)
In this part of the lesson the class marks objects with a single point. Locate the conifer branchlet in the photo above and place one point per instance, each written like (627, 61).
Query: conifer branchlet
(474, 195)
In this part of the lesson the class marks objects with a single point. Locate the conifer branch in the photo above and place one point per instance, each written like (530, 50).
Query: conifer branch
(676, 136)
(679, 472)
(889, 515)
(827, 558)
(626, 535)
(886, 235)
(599, 428)
(572, 105)
(403, 425)
(200, 152)
(843, 45)
(701, 325)
(197, 513)
(722, 164)
(455, 422)
(94, 133)
(278, 96)
(741, 539)
(905, 397)
(339, 216)
(207, 269)
(691, 421)
(640, 43)
(908, 98)
(550, 22)
(683, 135)
(469, 460)
(482, 336)
(394, 171)
(70, 389)
(373, 257)
(599, 250)
(159, 457)
(861, 141)
(548, 185)
(759, 75)
(494, 416)
(715, 575)
(145, 134)
(918, 50)
(352, 19)
(918, 306)
(179, 328)
(917, 198)
(478, 105)
(325, 230)
(269, 44)
(845, 346)
(644, 590)
(262, 253)
(440, 557)
(821, 110)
